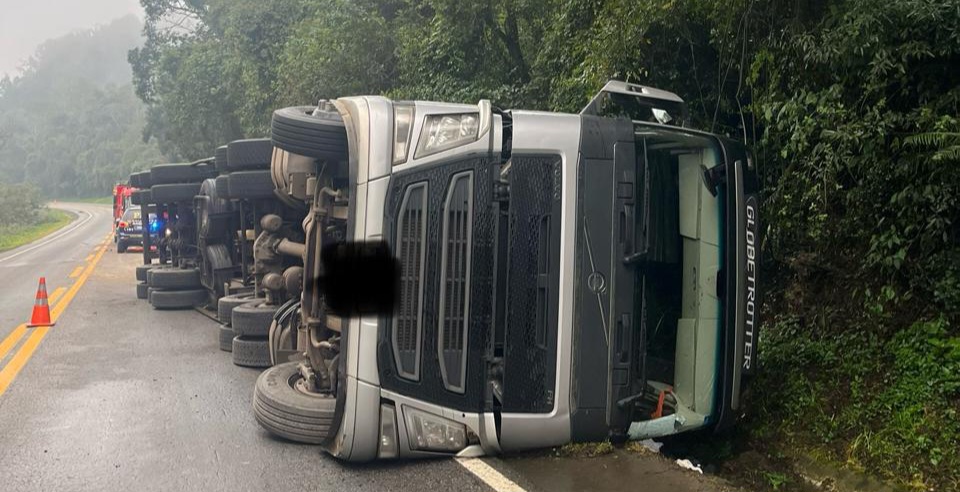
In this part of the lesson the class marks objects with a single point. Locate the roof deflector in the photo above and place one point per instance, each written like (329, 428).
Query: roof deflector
(638, 103)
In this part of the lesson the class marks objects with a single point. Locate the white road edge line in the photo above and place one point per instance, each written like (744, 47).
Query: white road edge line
(55, 236)
(489, 475)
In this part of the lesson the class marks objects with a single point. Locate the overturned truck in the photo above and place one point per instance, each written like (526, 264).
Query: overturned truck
(562, 277)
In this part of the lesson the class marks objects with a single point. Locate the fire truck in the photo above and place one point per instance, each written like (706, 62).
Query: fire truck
(121, 200)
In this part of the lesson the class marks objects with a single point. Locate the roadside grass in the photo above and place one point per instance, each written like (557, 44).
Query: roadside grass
(100, 200)
(584, 449)
(51, 220)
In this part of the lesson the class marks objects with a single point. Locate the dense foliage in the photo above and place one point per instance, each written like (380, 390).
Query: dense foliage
(851, 106)
(70, 123)
(20, 205)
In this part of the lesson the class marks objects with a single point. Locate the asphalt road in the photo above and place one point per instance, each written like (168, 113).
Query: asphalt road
(120, 397)
(56, 256)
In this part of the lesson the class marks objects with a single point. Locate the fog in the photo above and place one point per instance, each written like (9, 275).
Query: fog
(24, 25)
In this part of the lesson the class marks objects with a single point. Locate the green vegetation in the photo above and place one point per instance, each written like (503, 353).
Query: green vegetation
(50, 221)
(70, 123)
(101, 200)
(584, 449)
(24, 218)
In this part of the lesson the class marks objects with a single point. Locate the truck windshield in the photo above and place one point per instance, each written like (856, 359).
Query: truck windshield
(677, 258)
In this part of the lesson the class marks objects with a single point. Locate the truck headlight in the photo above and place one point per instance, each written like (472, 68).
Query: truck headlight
(446, 131)
(429, 432)
(402, 128)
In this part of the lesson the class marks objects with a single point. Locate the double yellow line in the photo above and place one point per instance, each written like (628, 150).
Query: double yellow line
(20, 358)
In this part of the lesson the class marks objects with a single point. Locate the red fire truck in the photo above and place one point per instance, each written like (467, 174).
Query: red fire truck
(121, 200)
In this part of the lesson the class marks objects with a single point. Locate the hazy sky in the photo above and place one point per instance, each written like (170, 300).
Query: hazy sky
(25, 24)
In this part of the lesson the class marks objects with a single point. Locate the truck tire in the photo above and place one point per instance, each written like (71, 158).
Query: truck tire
(142, 271)
(140, 197)
(172, 193)
(225, 335)
(142, 290)
(174, 278)
(310, 132)
(226, 305)
(214, 213)
(286, 411)
(216, 262)
(217, 203)
(253, 319)
(250, 185)
(140, 179)
(250, 154)
(220, 158)
(251, 351)
(223, 186)
(180, 173)
(177, 299)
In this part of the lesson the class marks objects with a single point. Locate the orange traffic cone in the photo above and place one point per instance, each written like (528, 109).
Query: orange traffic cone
(41, 310)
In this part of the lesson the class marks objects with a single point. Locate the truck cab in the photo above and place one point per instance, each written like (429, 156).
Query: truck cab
(561, 277)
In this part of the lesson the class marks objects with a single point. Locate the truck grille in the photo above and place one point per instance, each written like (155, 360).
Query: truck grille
(530, 348)
(410, 249)
(455, 262)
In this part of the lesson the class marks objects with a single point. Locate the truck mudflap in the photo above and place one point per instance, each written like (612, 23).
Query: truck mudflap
(738, 281)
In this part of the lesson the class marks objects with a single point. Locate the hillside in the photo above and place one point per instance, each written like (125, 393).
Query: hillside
(70, 122)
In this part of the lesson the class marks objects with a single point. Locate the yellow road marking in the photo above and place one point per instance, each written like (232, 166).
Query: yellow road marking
(55, 294)
(20, 358)
(89, 258)
(65, 301)
(12, 339)
(76, 271)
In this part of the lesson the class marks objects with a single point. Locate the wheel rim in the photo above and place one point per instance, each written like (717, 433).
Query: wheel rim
(299, 385)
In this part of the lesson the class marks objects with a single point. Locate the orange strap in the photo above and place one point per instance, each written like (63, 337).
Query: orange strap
(659, 411)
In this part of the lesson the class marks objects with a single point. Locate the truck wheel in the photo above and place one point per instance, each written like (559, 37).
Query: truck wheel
(216, 204)
(226, 335)
(172, 193)
(284, 408)
(142, 290)
(142, 271)
(310, 132)
(253, 319)
(213, 212)
(223, 186)
(226, 305)
(180, 173)
(216, 260)
(174, 278)
(140, 179)
(140, 197)
(143, 196)
(220, 158)
(177, 299)
(251, 352)
(250, 185)
(253, 153)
